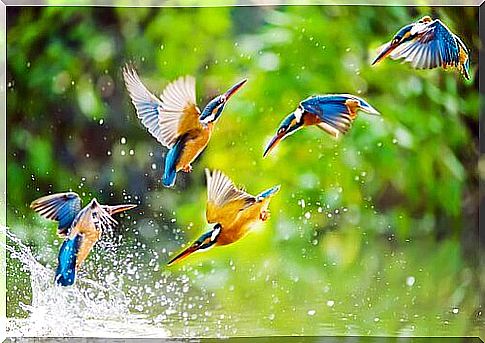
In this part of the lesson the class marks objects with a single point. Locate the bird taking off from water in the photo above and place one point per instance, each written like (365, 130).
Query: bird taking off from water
(232, 210)
(175, 120)
(427, 44)
(80, 227)
(333, 114)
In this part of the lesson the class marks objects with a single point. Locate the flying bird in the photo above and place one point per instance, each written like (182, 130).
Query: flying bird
(80, 227)
(232, 210)
(428, 44)
(175, 120)
(333, 114)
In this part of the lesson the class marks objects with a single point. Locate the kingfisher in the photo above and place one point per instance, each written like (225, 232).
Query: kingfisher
(232, 211)
(333, 113)
(80, 227)
(427, 44)
(174, 119)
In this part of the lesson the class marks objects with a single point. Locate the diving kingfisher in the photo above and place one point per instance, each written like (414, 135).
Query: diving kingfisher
(333, 114)
(175, 120)
(428, 44)
(80, 228)
(232, 210)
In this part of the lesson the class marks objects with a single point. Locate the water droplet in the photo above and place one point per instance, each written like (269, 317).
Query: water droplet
(410, 280)
(301, 202)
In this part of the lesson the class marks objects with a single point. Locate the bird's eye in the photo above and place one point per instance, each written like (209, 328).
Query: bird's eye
(395, 40)
(222, 99)
(281, 130)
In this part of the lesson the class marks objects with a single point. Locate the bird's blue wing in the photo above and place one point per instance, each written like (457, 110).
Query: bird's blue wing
(66, 268)
(62, 207)
(332, 110)
(435, 46)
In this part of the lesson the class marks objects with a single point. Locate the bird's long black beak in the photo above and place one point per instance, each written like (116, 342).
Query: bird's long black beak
(190, 250)
(273, 143)
(234, 89)
(385, 51)
(112, 209)
(288, 126)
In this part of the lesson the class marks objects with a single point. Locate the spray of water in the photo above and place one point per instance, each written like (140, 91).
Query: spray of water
(88, 309)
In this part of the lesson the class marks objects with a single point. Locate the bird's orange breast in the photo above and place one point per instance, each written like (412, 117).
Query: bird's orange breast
(87, 244)
(90, 235)
(310, 119)
(195, 144)
(462, 56)
(241, 226)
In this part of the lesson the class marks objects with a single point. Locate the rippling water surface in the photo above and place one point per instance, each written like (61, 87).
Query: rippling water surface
(132, 297)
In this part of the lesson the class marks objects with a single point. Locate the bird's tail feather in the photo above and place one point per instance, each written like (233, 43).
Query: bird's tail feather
(66, 269)
(268, 193)
(170, 172)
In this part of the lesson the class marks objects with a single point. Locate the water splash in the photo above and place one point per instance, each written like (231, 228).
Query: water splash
(88, 309)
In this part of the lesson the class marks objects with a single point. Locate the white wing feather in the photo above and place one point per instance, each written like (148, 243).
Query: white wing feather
(161, 116)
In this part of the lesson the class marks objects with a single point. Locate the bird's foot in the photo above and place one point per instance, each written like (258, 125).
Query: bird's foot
(187, 168)
(264, 215)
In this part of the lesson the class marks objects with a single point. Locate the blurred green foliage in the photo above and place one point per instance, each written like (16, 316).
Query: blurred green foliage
(396, 198)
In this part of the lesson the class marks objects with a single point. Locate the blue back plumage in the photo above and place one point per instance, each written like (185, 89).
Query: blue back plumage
(66, 268)
(173, 155)
(334, 110)
(334, 105)
(326, 107)
(267, 193)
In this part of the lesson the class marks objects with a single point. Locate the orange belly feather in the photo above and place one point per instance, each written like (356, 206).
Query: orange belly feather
(241, 226)
(90, 235)
(195, 144)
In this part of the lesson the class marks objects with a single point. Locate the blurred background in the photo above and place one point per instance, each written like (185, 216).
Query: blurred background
(373, 234)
